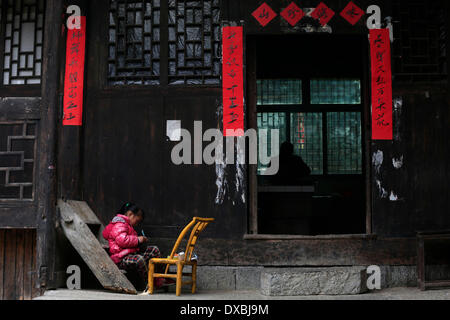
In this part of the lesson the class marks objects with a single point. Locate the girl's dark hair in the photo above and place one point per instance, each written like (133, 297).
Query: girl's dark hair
(129, 206)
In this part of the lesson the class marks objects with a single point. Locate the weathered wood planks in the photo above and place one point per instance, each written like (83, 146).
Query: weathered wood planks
(17, 264)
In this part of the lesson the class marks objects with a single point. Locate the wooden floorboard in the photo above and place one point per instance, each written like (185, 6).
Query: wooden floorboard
(28, 249)
(17, 264)
(9, 285)
(2, 261)
(35, 292)
(20, 255)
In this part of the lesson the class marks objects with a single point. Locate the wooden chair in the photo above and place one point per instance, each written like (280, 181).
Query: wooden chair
(197, 225)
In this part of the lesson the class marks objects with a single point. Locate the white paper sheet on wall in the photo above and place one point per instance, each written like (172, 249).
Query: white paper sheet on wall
(173, 130)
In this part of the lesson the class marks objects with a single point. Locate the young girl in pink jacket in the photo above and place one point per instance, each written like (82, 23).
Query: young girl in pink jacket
(124, 242)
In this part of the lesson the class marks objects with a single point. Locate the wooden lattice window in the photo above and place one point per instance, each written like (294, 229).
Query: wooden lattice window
(419, 49)
(22, 23)
(134, 42)
(17, 160)
(190, 32)
(194, 42)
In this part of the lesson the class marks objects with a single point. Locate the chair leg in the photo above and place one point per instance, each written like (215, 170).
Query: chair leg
(194, 278)
(151, 270)
(179, 278)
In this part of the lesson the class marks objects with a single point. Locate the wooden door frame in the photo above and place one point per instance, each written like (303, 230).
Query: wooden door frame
(252, 123)
(366, 137)
(46, 180)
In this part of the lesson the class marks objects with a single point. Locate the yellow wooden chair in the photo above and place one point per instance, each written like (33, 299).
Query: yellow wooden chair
(198, 225)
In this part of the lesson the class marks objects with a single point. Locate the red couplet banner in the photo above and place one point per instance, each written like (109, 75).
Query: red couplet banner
(380, 52)
(74, 77)
(232, 81)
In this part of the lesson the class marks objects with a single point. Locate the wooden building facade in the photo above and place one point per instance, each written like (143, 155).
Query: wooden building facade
(152, 61)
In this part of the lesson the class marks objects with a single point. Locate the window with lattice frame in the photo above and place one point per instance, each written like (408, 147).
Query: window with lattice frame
(22, 36)
(192, 35)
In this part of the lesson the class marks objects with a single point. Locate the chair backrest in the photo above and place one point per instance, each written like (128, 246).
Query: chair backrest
(197, 225)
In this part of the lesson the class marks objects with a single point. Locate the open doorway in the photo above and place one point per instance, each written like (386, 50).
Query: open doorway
(311, 88)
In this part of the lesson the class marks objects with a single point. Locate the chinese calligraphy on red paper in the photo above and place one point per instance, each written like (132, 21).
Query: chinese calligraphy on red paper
(232, 83)
(322, 13)
(74, 75)
(264, 14)
(381, 84)
(292, 14)
(352, 13)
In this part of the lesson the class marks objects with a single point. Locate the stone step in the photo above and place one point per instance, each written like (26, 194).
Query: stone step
(301, 281)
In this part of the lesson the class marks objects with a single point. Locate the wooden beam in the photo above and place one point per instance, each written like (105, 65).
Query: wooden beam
(252, 123)
(436, 284)
(366, 134)
(70, 138)
(46, 177)
(20, 108)
(16, 216)
(303, 252)
(300, 237)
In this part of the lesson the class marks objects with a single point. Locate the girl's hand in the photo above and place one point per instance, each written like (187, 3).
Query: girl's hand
(142, 239)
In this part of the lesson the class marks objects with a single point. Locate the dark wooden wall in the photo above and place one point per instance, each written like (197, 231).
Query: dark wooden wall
(127, 158)
(416, 195)
(18, 264)
(122, 154)
(421, 110)
(422, 183)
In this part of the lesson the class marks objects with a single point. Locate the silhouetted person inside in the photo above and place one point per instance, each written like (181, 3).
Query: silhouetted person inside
(292, 168)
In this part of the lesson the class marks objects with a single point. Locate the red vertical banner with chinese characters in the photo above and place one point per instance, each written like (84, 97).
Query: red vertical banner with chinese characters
(232, 81)
(380, 52)
(74, 75)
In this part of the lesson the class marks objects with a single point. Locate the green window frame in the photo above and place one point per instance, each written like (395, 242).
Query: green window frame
(321, 117)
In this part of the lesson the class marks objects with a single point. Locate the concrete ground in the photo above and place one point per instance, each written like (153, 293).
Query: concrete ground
(401, 293)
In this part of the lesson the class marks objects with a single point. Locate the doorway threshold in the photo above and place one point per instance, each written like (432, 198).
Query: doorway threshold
(305, 237)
